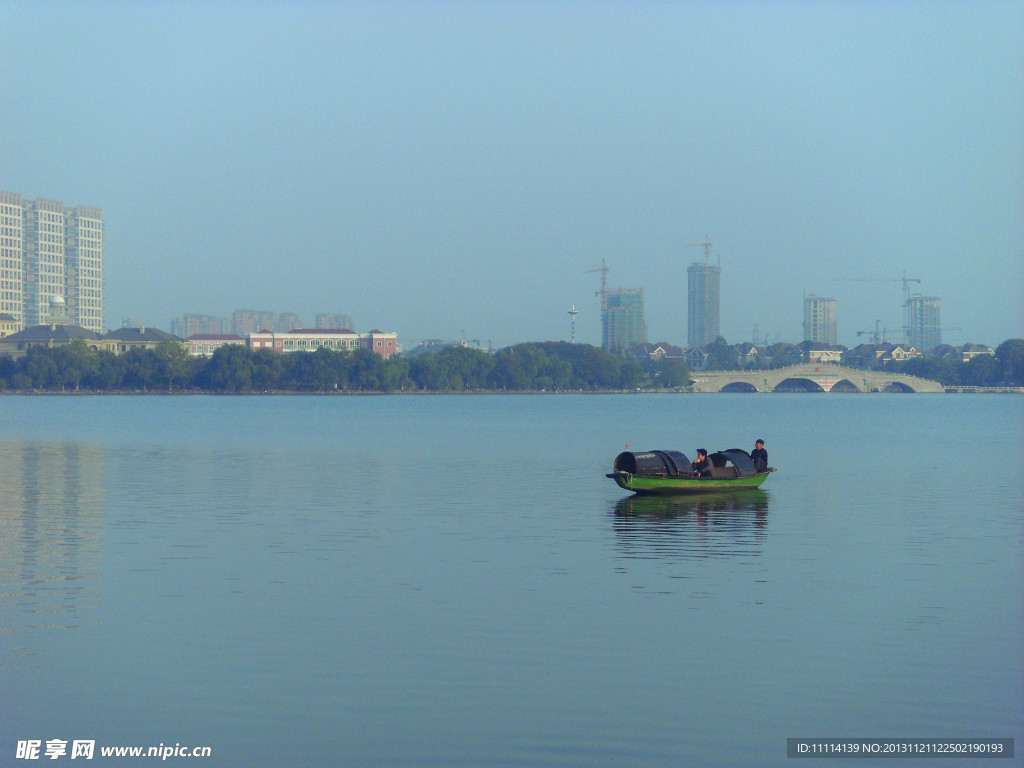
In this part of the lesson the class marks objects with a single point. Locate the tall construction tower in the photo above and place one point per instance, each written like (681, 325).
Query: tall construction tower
(703, 289)
(603, 293)
(908, 320)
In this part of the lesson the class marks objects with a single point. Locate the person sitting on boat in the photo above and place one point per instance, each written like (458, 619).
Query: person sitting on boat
(702, 466)
(759, 456)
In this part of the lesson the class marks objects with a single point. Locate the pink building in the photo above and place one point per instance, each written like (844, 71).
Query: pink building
(337, 339)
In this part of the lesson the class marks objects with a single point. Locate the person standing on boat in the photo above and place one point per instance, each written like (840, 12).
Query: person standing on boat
(759, 456)
(702, 466)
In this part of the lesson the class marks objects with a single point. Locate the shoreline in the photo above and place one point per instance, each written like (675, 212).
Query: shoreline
(958, 390)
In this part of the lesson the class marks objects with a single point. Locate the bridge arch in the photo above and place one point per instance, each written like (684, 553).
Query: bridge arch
(844, 385)
(739, 386)
(798, 384)
(900, 387)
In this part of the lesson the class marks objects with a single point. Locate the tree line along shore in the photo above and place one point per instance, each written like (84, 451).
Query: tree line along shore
(529, 367)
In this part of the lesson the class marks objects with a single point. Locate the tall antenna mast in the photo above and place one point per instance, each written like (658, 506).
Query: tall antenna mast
(572, 313)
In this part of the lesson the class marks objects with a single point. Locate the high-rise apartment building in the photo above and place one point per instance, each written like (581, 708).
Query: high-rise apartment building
(246, 321)
(325, 320)
(288, 321)
(702, 303)
(820, 319)
(192, 324)
(50, 253)
(623, 322)
(924, 330)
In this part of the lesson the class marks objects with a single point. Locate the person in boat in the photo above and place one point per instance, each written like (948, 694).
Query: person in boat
(759, 456)
(702, 466)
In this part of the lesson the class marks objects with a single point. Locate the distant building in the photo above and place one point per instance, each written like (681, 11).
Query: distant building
(55, 335)
(190, 324)
(817, 352)
(205, 344)
(661, 350)
(820, 320)
(124, 339)
(8, 324)
(925, 330)
(246, 321)
(752, 356)
(623, 322)
(312, 339)
(438, 345)
(696, 358)
(50, 250)
(18, 343)
(325, 320)
(287, 321)
(970, 351)
(702, 303)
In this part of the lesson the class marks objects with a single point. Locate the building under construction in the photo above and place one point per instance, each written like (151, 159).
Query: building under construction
(820, 319)
(622, 322)
(924, 330)
(702, 298)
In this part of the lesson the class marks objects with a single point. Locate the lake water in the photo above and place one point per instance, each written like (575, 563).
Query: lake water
(452, 581)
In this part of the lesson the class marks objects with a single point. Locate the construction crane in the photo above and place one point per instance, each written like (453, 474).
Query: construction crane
(603, 293)
(906, 293)
(706, 245)
(879, 335)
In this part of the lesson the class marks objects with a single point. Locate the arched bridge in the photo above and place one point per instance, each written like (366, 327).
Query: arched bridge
(824, 375)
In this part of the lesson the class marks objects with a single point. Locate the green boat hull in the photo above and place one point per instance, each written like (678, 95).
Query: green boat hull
(681, 485)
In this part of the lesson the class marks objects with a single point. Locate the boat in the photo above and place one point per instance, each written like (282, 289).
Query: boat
(665, 472)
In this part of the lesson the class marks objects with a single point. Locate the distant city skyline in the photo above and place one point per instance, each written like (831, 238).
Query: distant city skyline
(441, 169)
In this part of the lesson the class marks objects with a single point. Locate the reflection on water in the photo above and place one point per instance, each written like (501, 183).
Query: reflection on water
(50, 527)
(694, 526)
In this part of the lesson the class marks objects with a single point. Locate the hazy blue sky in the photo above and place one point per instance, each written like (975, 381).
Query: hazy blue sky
(434, 168)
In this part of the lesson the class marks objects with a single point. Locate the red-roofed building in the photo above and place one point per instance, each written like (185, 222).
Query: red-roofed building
(337, 339)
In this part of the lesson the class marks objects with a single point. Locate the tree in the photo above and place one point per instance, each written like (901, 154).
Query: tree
(722, 356)
(142, 369)
(630, 374)
(109, 372)
(267, 369)
(672, 374)
(40, 366)
(1010, 355)
(173, 363)
(395, 374)
(366, 370)
(784, 354)
(8, 369)
(981, 371)
(73, 362)
(230, 369)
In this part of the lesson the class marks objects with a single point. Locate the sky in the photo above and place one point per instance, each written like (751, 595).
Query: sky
(457, 168)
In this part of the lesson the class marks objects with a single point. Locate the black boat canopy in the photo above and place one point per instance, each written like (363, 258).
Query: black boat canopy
(739, 458)
(653, 463)
(674, 463)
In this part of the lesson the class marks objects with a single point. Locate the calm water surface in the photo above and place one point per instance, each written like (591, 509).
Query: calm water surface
(446, 580)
